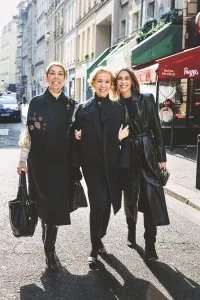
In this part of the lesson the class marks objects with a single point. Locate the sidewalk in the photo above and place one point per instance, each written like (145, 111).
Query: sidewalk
(24, 109)
(182, 165)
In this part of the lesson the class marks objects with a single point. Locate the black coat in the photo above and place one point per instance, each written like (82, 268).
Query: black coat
(50, 182)
(146, 150)
(99, 152)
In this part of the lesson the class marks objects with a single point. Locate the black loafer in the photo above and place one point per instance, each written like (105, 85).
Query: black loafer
(131, 245)
(92, 261)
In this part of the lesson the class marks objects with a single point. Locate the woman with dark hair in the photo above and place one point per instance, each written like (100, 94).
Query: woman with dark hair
(143, 190)
(98, 124)
(45, 145)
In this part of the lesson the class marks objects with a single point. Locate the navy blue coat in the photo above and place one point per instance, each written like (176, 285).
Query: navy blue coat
(50, 181)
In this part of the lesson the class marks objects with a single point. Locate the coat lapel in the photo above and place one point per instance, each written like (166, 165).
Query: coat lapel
(136, 99)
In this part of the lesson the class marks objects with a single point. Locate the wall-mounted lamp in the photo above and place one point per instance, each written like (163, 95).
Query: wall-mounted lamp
(48, 34)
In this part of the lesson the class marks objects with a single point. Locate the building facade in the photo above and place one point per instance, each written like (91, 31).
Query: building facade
(7, 56)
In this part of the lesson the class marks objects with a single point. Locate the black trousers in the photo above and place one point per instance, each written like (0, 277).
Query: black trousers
(136, 190)
(100, 204)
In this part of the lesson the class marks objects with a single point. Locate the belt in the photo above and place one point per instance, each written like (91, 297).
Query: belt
(139, 134)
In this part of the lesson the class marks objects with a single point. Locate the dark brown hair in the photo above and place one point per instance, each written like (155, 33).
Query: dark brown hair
(135, 86)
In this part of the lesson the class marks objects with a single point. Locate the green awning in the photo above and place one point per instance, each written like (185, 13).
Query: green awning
(100, 61)
(166, 41)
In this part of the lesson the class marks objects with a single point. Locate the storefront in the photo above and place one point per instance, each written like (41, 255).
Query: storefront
(175, 83)
(71, 82)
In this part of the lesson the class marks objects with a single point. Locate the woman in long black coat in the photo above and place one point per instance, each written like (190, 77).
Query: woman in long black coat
(143, 190)
(100, 155)
(45, 143)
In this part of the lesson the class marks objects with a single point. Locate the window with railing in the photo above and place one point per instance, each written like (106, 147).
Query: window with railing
(123, 28)
(135, 22)
(150, 9)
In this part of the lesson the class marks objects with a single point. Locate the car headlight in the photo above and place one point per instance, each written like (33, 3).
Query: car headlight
(16, 108)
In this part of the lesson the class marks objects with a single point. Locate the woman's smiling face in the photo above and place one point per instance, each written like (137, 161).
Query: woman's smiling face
(55, 78)
(124, 83)
(102, 84)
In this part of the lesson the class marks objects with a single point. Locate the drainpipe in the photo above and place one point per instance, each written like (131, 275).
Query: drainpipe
(141, 16)
(185, 12)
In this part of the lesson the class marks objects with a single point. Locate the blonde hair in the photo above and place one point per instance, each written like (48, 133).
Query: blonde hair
(57, 64)
(94, 74)
(135, 87)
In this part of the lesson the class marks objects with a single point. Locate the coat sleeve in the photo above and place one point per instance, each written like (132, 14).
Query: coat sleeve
(156, 129)
(125, 144)
(76, 162)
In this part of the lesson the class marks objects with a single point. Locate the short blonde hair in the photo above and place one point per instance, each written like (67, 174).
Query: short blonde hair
(57, 64)
(98, 70)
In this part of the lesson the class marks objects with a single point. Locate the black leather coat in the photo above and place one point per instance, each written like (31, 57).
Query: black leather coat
(146, 150)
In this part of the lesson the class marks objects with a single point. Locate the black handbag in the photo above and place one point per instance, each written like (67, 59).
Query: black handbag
(22, 211)
(164, 176)
(78, 198)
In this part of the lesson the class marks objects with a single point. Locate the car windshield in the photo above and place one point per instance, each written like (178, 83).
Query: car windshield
(8, 100)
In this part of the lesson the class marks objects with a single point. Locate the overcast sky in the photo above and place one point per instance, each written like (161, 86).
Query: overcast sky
(8, 9)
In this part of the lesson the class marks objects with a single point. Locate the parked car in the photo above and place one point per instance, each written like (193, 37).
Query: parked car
(9, 108)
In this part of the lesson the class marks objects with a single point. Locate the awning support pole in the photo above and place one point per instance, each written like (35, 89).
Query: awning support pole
(188, 101)
(157, 92)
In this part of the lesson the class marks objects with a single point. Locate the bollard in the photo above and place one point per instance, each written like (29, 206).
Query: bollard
(172, 135)
(198, 163)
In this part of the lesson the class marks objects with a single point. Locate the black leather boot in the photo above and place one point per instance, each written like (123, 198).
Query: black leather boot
(131, 239)
(150, 240)
(131, 220)
(150, 237)
(150, 254)
(49, 246)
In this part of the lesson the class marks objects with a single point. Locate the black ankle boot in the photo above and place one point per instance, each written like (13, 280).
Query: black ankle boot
(131, 239)
(49, 246)
(150, 254)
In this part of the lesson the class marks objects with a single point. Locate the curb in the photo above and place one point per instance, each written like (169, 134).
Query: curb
(193, 200)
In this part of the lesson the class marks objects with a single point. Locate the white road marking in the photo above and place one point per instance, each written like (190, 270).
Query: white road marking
(3, 131)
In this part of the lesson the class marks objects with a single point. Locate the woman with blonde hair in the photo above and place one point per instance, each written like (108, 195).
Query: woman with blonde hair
(101, 144)
(45, 146)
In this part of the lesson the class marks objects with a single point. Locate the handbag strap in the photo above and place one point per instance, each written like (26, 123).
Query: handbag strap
(22, 183)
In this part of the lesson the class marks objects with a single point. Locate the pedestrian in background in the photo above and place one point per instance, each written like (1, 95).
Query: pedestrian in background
(98, 124)
(24, 100)
(143, 190)
(46, 147)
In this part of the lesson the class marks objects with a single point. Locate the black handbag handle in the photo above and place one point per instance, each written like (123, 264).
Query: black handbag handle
(22, 186)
